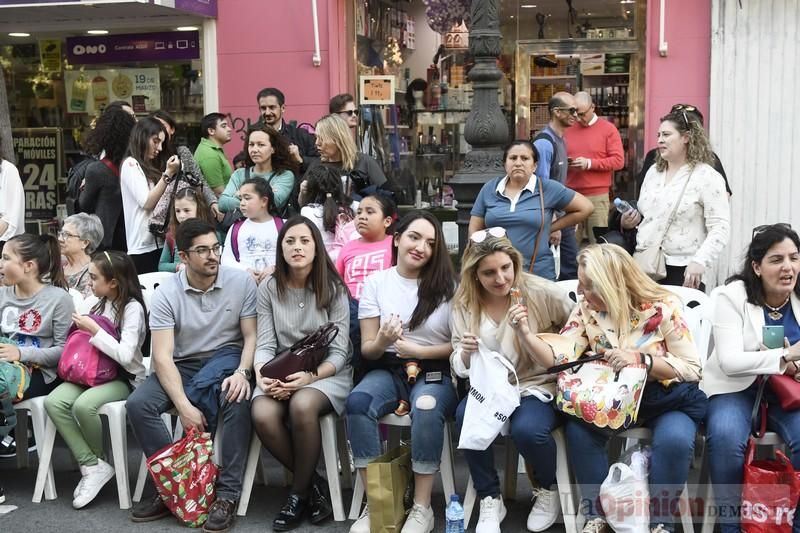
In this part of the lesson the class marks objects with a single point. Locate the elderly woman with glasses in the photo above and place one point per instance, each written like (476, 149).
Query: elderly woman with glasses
(683, 207)
(493, 288)
(756, 332)
(524, 205)
(79, 237)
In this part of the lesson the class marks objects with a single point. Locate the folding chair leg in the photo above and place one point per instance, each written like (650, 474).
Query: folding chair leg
(45, 459)
(141, 477)
(686, 510)
(39, 417)
(328, 427)
(358, 497)
(446, 468)
(249, 474)
(709, 511)
(569, 508)
(469, 502)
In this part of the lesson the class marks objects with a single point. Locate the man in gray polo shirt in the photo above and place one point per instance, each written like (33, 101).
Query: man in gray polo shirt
(203, 321)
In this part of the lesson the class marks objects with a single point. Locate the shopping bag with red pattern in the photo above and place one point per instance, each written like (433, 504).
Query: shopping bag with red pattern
(185, 475)
(770, 493)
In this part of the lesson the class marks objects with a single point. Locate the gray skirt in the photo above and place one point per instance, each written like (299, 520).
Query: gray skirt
(336, 388)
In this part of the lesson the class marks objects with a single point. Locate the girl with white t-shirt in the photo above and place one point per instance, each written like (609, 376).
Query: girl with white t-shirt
(330, 209)
(251, 242)
(405, 313)
(142, 184)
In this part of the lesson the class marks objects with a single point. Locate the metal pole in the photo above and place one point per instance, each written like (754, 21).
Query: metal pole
(486, 129)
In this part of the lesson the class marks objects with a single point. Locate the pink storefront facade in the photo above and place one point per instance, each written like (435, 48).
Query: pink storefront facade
(280, 54)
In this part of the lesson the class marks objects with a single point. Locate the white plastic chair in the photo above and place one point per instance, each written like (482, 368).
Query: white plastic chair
(697, 310)
(149, 282)
(39, 415)
(330, 455)
(115, 414)
(445, 470)
(77, 298)
(570, 286)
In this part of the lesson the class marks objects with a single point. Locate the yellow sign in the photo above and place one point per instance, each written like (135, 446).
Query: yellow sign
(376, 90)
(50, 55)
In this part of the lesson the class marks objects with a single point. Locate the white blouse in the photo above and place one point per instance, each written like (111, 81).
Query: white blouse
(701, 228)
(135, 188)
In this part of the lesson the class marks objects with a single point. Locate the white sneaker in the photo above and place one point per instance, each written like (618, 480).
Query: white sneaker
(362, 524)
(420, 520)
(596, 525)
(493, 512)
(77, 490)
(545, 511)
(96, 476)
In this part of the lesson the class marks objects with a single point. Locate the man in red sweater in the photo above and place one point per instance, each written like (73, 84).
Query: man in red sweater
(594, 151)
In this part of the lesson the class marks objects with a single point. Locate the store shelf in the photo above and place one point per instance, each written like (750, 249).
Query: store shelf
(602, 74)
(549, 78)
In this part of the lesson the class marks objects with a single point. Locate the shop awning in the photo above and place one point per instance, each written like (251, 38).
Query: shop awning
(62, 15)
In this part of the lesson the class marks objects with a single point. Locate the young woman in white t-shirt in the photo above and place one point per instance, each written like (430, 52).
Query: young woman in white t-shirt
(251, 242)
(329, 208)
(405, 323)
(142, 185)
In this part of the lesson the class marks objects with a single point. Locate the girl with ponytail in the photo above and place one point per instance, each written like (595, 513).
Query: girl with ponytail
(329, 208)
(35, 309)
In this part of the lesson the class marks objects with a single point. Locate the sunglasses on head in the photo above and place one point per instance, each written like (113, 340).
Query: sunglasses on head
(349, 112)
(570, 110)
(684, 107)
(481, 235)
(765, 227)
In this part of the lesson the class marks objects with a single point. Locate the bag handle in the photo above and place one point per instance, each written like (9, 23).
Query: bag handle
(759, 409)
(576, 364)
(541, 226)
(671, 218)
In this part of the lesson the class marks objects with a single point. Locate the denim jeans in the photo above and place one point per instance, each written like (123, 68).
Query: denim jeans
(531, 426)
(728, 431)
(569, 254)
(673, 448)
(375, 396)
(146, 404)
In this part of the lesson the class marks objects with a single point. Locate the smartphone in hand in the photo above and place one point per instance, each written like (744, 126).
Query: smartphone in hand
(772, 336)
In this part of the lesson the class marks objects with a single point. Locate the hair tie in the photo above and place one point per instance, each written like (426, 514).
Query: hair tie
(328, 195)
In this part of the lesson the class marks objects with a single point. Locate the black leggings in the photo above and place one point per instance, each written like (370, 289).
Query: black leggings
(675, 277)
(146, 262)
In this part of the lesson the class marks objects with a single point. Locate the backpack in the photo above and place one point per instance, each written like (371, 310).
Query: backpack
(75, 178)
(15, 378)
(290, 208)
(553, 161)
(81, 362)
(235, 234)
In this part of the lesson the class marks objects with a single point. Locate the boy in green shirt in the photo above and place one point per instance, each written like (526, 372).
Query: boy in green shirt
(209, 154)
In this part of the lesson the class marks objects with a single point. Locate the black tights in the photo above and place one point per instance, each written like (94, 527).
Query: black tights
(297, 444)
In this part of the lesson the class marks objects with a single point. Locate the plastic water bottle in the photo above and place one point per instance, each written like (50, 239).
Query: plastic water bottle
(454, 515)
(622, 206)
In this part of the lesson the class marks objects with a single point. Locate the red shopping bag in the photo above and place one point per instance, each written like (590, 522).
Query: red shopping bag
(770, 493)
(185, 475)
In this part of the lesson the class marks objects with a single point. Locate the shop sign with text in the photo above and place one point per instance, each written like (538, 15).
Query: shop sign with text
(89, 91)
(162, 46)
(38, 152)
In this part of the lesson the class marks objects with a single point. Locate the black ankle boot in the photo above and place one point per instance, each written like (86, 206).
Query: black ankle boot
(291, 514)
(319, 500)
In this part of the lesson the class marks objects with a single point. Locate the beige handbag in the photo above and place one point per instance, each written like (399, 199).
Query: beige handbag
(652, 260)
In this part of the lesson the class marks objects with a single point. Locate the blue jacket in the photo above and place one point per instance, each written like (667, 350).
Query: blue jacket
(204, 390)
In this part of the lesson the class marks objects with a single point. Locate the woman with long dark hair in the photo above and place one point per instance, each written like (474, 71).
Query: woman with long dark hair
(143, 184)
(405, 342)
(304, 293)
(763, 293)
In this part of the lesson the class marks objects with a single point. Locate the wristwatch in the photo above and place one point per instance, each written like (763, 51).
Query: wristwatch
(246, 372)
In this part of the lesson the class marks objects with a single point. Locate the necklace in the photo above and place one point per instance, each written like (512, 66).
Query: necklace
(301, 296)
(774, 312)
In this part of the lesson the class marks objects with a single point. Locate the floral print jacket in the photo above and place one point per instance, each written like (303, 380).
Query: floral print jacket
(657, 329)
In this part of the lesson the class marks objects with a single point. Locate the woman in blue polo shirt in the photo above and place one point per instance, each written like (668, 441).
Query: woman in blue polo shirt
(515, 202)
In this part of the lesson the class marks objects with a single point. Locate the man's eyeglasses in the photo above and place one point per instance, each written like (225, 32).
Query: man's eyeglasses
(480, 236)
(765, 227)
(64, 235)
(570, 110)
(204, 251)
(349, 112)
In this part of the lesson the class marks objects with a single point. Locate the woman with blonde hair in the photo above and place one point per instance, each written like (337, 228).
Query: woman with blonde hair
(361, 174)
(683, 205)
(629, 319)
(488, 309)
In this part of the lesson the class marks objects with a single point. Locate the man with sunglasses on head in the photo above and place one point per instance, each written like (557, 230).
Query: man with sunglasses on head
(344, 105)
(203, 322)
(553, 164)
(594, 152)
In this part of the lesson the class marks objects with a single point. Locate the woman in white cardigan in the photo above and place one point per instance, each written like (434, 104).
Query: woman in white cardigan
(764, 293)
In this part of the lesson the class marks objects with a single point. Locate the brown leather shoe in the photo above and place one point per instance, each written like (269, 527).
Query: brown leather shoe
(220, 516)
(150, 509)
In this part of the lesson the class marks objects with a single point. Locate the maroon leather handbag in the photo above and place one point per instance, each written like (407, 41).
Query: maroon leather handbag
(303, 356)
(787, 390)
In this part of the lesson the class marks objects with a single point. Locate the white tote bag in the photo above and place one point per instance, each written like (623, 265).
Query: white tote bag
(491, 401)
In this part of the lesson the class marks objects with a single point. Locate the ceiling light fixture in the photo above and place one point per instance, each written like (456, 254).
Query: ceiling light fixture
(97, 32)
(528, 6)
(187, 28)
(627, 1)
(19, 34)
